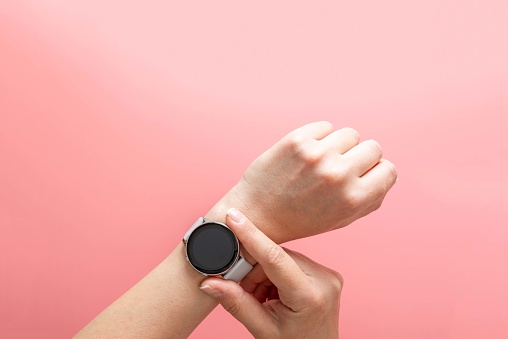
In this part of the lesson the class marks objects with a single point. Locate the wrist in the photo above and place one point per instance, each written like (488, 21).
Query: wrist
(239, 197)
(218, 213)
(260, 211)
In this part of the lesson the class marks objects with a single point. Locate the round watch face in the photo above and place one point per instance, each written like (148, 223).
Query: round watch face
(212, 248)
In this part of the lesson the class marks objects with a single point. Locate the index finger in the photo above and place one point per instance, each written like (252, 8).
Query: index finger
(316, 130)
(279, 267)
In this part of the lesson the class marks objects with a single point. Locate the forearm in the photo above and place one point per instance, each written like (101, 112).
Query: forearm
(165, 303)
(312, 181)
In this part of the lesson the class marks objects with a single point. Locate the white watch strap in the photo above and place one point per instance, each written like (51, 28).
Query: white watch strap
(192, 228)
(239, 270)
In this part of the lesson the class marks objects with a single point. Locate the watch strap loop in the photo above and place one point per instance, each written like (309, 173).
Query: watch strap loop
(239, 270)
(198, 223)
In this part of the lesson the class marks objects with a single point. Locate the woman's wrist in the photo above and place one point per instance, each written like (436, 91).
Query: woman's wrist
(219, 210)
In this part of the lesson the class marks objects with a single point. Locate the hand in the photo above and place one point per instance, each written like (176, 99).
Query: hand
(314, 180)
(303, 296)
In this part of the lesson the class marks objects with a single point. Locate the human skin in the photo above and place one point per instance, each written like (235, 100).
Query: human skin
(311, 181)
(314, 176)
(303, 296)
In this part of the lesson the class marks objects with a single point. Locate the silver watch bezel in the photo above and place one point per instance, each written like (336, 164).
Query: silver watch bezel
(237, 257)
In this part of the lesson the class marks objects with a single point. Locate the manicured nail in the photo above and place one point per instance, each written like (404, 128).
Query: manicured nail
(211, 291)
(236, 216)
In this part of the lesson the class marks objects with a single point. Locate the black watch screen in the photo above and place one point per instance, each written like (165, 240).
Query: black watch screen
(212, 248)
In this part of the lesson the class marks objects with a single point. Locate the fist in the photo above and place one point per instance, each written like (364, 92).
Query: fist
(315, 179)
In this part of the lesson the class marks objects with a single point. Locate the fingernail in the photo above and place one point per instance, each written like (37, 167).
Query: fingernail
(211, 291)
(235, 215)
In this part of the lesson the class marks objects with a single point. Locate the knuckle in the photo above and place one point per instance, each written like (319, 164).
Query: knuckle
(376, 146)
(354, 199)
(327, 123)
(333, 174)
(329, 176)
(390, 177)
(294, 141)
(275, 256)
(233, 307)
(354, 133)
(337, 281)
(317, 298)
(312, 155)
(393, 169)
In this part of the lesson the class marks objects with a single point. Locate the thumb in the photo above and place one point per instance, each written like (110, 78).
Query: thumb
(243, 306)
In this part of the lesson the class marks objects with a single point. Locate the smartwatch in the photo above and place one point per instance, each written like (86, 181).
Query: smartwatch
(212, 249)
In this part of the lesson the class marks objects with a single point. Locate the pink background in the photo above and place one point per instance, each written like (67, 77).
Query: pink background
(123, 121)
